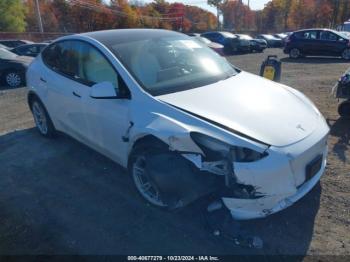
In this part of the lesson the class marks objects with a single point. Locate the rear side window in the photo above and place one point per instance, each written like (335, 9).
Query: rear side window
(93, 66)
(328, 36)
(62, 58)
(311, 35)
(82, 62)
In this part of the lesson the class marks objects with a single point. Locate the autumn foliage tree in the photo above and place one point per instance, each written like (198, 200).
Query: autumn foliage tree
(71, 16)
(237, 16)
(289, 15)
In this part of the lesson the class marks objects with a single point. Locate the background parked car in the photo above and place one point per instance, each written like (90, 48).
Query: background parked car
(13, 68)
(271, 40)
(14, 43)
(215, 46)
(29, 49)
(318, 42)
(282, 36)
(230, 42)
(256, 45)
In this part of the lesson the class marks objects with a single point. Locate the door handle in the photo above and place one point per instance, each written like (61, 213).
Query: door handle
(77, 95)
(43, 80)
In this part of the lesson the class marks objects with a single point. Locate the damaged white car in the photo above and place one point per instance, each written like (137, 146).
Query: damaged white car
(184, 121)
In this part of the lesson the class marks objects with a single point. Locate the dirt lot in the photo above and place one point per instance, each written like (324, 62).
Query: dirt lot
(60, 197)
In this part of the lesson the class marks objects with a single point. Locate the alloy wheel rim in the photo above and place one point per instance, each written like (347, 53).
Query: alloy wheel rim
(143, 183)
(295, 53)
(40, 118)
(13, 79)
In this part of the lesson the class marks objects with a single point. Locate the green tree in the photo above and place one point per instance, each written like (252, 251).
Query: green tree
(12, 18)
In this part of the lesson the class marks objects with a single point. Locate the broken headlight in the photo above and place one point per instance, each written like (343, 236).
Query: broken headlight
(215, 150)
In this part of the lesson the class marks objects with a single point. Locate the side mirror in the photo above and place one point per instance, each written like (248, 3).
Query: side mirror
(103, 90)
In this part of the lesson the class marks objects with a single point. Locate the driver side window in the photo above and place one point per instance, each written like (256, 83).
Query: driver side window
(94, 67)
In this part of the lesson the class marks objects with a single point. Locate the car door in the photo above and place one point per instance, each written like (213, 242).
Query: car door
(310, 43)
(107, 120)
(331, 43)
(64, 92)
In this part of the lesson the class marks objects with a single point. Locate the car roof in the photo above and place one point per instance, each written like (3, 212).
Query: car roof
(115, 36)
(318, 29)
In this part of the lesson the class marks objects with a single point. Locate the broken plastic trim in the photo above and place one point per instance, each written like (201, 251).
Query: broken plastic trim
(216, 150)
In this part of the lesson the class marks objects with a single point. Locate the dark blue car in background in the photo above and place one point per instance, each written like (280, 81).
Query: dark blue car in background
(318, 42)
(231, 43)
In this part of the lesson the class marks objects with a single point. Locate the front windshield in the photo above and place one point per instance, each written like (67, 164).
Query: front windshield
(4, 54)
(171, 64)
(269, 37)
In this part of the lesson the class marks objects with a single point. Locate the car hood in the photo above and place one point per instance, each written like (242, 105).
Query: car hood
(256, 107)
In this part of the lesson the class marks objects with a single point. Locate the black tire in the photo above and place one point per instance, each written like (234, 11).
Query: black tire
(344, 109)
(137, 153)
(43, 121)
(14, 78)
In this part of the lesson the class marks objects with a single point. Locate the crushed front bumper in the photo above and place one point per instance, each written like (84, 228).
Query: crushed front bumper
(244, 209)
(280, 179)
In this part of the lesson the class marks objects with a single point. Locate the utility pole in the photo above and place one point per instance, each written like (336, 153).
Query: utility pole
(38, 15)
(249, 4)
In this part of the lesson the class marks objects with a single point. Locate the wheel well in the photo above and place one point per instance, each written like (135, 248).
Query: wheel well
(147, 142)
(30, 98)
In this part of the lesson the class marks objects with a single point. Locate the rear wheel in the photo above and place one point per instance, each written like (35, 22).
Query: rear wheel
(14, 78)
(294, 53)
(346, 54)
(42, 120)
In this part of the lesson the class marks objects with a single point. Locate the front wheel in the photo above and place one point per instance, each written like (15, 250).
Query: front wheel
(42, 120)
(346, 54)
(14, 79)
(143, 182)
(294, 53)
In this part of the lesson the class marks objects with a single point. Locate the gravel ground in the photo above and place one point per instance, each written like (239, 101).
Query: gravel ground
(60, 197)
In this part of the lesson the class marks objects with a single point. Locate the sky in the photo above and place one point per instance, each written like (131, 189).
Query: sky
(254, 4)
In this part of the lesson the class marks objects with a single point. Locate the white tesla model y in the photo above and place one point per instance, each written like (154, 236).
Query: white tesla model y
(183, 120)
